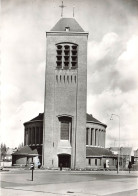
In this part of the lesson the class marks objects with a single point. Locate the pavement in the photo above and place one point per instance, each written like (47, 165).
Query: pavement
(64, 183)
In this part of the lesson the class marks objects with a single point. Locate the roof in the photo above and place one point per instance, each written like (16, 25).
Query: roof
(39, 117)
(97, 151)
(89, 118)
(67, 22)
(28, 150)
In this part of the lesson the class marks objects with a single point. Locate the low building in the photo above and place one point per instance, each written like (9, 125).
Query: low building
(97, 156)
(100, 158)
(33, 141)
(26, 155)
(136, 156)
(125, 154)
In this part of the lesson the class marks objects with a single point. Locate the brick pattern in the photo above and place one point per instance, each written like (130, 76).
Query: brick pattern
(65, 95)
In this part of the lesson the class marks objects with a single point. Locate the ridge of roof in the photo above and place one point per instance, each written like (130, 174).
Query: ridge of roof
(67, 22)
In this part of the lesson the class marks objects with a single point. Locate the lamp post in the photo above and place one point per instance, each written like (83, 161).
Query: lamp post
(119, 139)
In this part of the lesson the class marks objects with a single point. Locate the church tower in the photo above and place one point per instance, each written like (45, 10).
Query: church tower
(64, 133)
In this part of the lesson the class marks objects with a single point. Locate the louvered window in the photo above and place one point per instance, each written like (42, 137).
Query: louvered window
(67, 56)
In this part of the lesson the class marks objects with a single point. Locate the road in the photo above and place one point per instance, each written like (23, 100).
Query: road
(63, 183)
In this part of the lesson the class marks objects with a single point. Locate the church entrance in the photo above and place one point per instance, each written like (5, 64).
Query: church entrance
(64, 160)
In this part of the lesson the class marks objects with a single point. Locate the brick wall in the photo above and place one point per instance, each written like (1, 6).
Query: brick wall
(65, 98)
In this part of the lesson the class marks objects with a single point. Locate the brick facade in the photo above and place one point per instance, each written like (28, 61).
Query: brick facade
(65, 95)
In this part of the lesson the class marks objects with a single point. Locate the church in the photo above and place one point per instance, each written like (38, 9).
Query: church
(65, 134)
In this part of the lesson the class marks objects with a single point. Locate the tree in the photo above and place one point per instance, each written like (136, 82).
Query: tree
(20, 145)
(3, 150)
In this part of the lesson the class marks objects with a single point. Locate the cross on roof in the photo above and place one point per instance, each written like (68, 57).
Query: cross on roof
(62, 6)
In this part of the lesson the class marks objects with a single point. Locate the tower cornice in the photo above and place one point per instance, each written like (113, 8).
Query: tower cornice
(62, 33)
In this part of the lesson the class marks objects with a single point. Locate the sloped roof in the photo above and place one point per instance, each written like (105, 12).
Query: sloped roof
(28, 150)
(97, 151)
(67, 22)
(89, 118)
(39, 117)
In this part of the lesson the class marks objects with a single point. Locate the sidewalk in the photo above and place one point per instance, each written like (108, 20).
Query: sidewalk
(65, 183)
(126, 173)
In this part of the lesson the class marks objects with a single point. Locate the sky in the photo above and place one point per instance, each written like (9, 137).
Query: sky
(112, 74)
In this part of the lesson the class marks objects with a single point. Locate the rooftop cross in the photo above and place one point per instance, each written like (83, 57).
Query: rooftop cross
(62, 6)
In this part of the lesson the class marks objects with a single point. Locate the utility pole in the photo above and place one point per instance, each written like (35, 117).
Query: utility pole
(119, 140)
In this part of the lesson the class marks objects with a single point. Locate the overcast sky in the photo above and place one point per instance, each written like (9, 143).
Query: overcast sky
(112, 63)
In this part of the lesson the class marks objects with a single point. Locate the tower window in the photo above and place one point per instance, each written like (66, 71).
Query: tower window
(67, 56)
(59, 47)
(75, 78)
(67, 28)
(56, 78)
(65, 128)
(68, 78)
(89, 161)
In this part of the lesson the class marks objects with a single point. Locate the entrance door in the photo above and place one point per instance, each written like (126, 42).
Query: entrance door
(65, 160)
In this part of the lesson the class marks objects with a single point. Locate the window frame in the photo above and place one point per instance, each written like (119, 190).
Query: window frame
(69, 120)
(67, 55)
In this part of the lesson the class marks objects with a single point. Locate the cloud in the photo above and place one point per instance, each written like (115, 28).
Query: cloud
(112, 64)
(123, 104)
(127, 66)
(127, 61)
(113, 89)
(98, 50)
(102, 58)
(10, 99)
(13, 124)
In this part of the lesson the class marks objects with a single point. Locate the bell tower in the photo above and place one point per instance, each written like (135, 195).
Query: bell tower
(64, 139)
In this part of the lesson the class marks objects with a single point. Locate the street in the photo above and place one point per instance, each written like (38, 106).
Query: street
(75, 183)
